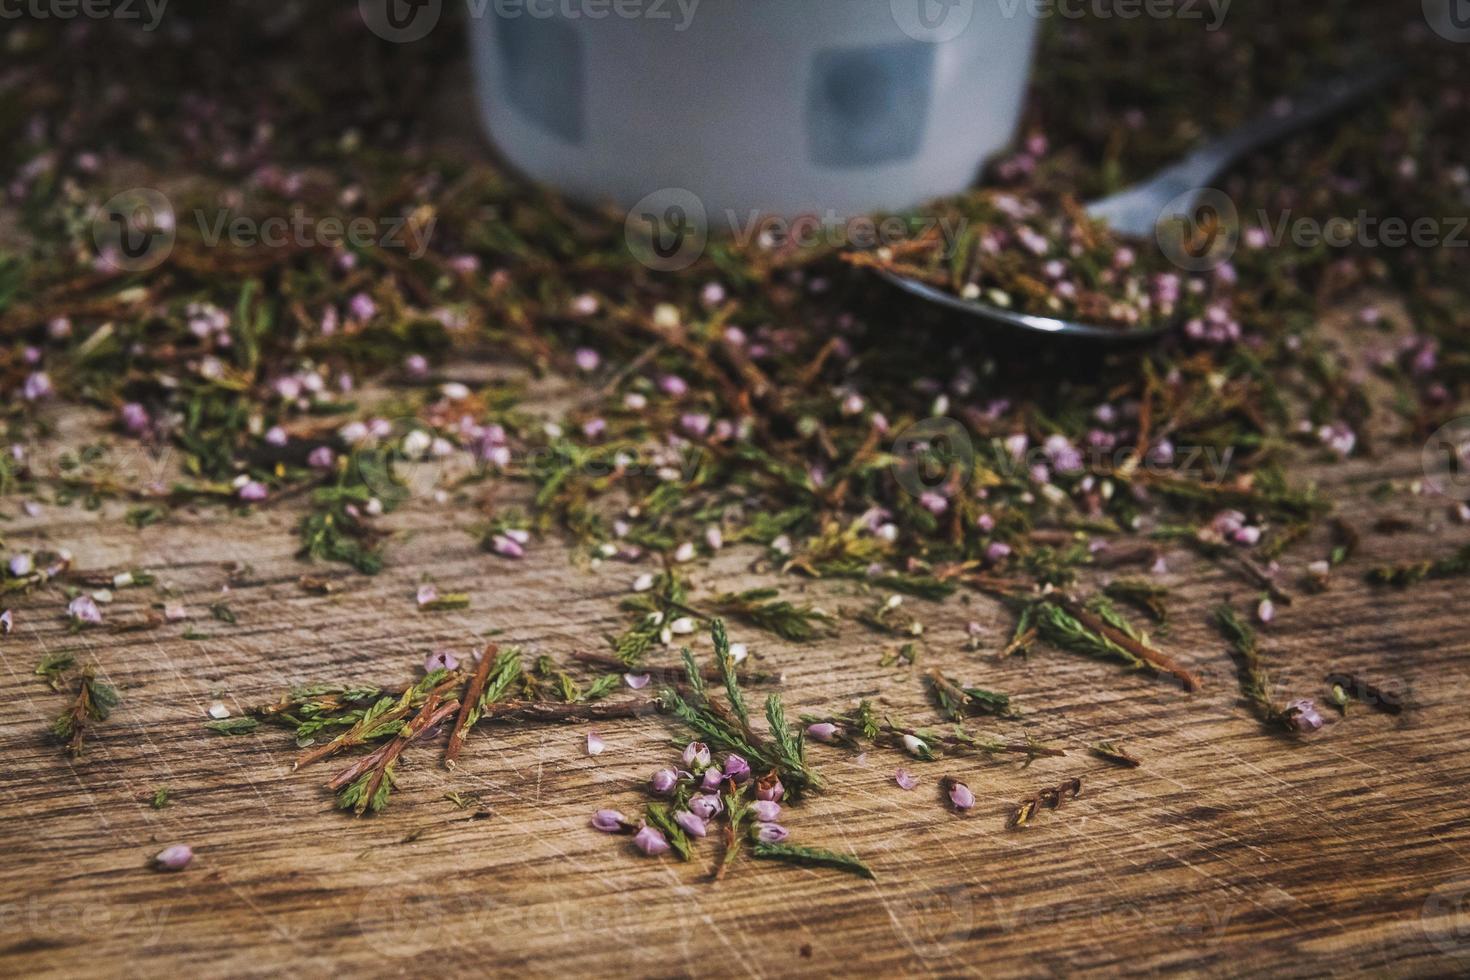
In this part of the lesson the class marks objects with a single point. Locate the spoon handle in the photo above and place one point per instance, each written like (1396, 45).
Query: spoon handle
(1135, 210)
(1287, 117)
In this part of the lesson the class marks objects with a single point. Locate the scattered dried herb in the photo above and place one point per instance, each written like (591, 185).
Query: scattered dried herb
(92, 703)
(1048, 799)
(1112, 752)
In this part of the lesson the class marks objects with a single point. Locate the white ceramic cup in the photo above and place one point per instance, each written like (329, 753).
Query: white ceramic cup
(779, 107)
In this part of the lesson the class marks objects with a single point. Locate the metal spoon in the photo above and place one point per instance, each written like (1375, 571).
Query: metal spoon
(1176, 191)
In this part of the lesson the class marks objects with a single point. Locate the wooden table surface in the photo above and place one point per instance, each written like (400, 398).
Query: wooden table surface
(1232, 850)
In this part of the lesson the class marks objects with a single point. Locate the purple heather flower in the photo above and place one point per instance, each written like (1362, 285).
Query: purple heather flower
(712, 779)
(1247, 536)
(37, 386)
(997, 551)
(608, 821)
(706, 806)
(636, 681)
(696, 755)
(427, 594)
(416, 366)
(507, 546)
(134, 418)
(1266, 611)
(959, 794)
(822, 731)
(695, 424)
(766, 811)
(771, 833)
(1302, 715)
(650, 841)
(663, 781)
(440, 660)
(175, 857)
(587, 359)
(252, 491)
(905, 779)
(21, 564)
(673, 385)
(595, 744)
(321, 458)
(690, 824)
(276, 436)
(361, 307)
(934, 503)
(736, 768)
(769, 790)
(84, 609)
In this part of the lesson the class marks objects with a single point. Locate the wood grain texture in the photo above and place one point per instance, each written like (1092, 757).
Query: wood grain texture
(1231, 851)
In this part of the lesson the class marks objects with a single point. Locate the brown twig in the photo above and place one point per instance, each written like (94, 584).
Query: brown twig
(385, 755)
(471, 699)
(1158, 660)
(557, 711)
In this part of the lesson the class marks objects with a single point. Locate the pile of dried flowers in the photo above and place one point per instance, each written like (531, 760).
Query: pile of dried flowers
(774, 397)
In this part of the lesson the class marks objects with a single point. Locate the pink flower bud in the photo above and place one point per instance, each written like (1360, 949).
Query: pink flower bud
(663, 781)
(690, 824)
(771, 833)
(175, 857)
(766, 811)
(1302, 715)
(769, 788)
(959, 794)
(706, 805)
(609, 821)
(650, 841)
(84, 609)
(696, 755)
(823, 731)
(440, 660)
(736, 768)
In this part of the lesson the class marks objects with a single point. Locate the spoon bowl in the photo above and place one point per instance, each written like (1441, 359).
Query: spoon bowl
(1176, 193)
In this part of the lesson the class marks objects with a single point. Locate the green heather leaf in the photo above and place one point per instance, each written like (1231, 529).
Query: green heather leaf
(233, 726)
(814, 857)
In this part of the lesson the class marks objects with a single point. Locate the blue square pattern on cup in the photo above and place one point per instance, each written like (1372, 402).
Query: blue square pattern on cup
(868, 106)
(542, 73)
